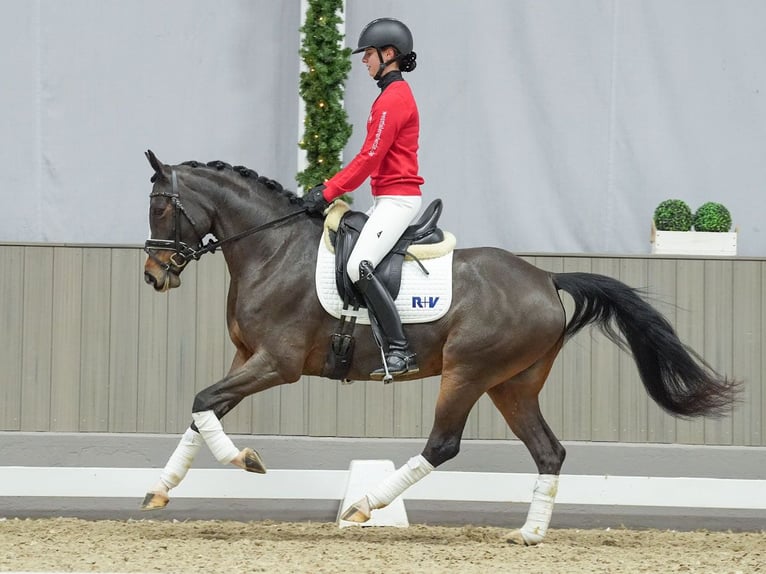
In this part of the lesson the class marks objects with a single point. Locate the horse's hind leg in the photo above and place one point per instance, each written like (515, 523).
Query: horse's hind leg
(456, 398)
(517, 400)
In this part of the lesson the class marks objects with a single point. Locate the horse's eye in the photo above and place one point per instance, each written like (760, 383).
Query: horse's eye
(158, 211)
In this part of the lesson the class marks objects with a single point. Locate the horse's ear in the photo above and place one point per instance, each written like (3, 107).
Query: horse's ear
(156, 165)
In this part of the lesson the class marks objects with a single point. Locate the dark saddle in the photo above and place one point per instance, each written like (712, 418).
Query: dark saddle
(423, 232)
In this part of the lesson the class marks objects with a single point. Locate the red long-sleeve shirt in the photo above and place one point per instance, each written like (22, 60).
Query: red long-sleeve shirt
(389, 155)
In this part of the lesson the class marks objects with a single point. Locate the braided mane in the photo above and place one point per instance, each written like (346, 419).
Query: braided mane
(247, 173)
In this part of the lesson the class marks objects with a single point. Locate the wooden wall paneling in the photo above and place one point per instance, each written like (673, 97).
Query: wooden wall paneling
(605, 372)
(408, 408)
(352, 414)
(379, 409)
(293, 417)
(88, 347)
(690, 323)
(661, 426)
(718, 338)
(36, 339)
(747, 358)
(66, 339)
(265, 410)
(323, 406)
(127, 279)
(763, 353)
(152, 361)
(182, 346)
(634, 400)
(12, 274)
(577, 378)
(96, 329)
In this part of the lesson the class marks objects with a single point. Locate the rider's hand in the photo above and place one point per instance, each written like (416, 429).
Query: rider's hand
(314, 200)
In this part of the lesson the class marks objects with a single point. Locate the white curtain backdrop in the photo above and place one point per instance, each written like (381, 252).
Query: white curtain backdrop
(547, 125)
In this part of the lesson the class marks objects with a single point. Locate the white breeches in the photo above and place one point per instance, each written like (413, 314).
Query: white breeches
(389, 216)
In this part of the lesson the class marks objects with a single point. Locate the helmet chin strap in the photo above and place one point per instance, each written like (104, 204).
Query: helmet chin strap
(383, 65)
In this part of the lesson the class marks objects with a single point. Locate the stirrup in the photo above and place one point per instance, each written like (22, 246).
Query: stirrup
(395, 364)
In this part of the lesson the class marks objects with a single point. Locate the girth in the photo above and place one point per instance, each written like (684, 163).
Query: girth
(423, 232)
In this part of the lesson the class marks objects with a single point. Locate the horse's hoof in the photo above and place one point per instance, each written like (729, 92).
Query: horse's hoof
(517, 537)
(154, 501)
(253, 461)
(357, 512)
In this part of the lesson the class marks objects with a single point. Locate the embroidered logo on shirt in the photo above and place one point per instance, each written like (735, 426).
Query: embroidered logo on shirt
(381, 125)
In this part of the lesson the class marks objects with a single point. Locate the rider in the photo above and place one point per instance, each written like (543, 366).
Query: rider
(389, 157)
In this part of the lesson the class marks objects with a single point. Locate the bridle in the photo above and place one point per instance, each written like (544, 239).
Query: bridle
(183, 252)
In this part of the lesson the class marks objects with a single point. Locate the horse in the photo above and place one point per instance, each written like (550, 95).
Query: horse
(500, 336)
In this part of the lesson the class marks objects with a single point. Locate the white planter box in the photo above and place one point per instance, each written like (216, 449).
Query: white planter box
(693, 242)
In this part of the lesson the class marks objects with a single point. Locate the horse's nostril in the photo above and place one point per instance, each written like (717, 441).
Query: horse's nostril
(149, 278)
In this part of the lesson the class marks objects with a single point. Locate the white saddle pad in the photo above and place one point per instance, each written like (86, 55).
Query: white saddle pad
(422, 298)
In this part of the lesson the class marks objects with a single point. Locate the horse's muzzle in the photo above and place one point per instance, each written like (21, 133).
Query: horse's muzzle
(150, 279)
(159, 278)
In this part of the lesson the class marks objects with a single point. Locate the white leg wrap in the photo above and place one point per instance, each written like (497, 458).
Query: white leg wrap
(541, 508)
(383, 494)
(211, 430)
(181, 460)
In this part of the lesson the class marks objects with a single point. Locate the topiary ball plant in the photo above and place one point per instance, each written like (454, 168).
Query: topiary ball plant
(673, 215)
(712, 216)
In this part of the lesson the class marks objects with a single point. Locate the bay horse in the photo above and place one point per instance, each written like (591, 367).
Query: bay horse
(500, 336)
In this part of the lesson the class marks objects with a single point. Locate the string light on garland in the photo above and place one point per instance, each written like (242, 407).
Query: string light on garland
(328, 62)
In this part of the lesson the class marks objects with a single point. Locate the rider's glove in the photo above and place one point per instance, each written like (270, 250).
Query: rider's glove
(314, 200)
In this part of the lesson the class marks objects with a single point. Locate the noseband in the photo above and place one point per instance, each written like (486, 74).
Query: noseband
(183, 252)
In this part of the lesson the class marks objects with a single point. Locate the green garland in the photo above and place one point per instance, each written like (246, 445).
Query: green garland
(326, 129)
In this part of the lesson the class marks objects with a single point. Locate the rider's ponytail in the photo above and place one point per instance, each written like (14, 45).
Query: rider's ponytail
(407, 62)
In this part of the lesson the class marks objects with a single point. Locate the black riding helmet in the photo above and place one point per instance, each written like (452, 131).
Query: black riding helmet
(384, 32)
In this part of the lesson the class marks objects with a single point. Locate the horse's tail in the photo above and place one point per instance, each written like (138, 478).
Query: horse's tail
(675, 376)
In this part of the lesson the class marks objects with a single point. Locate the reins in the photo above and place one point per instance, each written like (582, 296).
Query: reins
(213, 244)
(185, 251)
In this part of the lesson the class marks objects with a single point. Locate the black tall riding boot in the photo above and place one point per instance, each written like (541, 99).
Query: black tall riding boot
(399, 359)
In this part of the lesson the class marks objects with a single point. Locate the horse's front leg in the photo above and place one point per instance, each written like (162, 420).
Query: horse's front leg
(210, 405)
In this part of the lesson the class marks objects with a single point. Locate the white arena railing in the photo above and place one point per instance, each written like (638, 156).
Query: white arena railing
(23, 481)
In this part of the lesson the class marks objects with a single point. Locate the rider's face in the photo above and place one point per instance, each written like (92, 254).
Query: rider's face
(371, 60)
